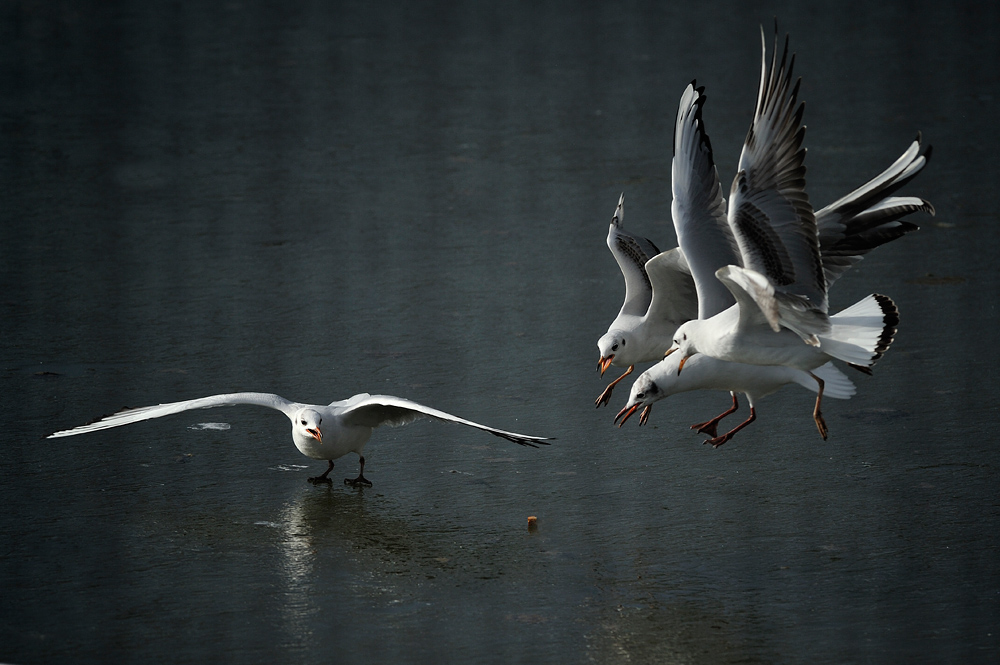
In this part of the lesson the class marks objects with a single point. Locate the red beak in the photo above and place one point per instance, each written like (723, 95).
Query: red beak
(681, 365)
(316, 434)
(605, 363)
(627, 412)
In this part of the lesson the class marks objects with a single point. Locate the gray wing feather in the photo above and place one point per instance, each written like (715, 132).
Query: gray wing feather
(758, 299)
(375, 410)
(631, 252)
(127, 416)
(769, 211)
(675, 299)
(869, 216)
(698, 208)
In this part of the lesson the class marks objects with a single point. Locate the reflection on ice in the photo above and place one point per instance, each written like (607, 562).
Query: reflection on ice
(289, 467)
(209, 426)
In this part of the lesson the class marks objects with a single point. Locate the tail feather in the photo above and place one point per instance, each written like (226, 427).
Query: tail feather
(862, 333)
(836, 383)
(889, 324)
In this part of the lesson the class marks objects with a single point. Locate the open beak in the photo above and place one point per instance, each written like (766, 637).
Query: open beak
(681, 365)
(316, 434)
(627, 412)
(604, 363)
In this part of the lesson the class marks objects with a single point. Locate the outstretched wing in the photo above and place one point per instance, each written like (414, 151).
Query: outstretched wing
(769, 211)
(698, 208)
(375, 410)
(127, 416)
(868, 217)
(631, 252)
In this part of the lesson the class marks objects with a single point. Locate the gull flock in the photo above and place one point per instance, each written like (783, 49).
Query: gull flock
(740, 305)
(760, 268)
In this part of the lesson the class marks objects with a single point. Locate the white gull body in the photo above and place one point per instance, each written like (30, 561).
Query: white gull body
(324, 432)
(703, 372)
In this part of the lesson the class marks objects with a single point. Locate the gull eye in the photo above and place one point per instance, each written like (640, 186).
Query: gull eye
(640, 395)
(614, 347)
(303, 422)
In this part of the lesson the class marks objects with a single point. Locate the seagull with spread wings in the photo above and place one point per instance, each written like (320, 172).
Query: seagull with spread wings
(766, 252)
(848, 229)
(659, 296)
(320, 432)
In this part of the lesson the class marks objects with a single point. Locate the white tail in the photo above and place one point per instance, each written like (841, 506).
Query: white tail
(837, 385)
(862, 333)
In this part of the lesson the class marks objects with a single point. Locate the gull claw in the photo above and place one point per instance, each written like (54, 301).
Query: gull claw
(605, 398)
(717, 441)
(821, 425)
(709, 428)
(644, 416)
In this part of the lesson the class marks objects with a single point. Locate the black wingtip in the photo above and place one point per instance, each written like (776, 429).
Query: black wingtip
(927, 152)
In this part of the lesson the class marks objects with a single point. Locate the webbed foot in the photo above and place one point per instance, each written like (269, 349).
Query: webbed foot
(320, 480)
(360, 481)
(708, 428)
(324, 478)
(604, 398)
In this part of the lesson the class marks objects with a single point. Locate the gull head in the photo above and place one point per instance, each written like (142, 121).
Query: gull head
(684, 342)
(644, 393)
(306, 425)
(613, 343)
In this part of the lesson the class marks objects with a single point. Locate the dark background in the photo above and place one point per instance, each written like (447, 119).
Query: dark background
(319, 199)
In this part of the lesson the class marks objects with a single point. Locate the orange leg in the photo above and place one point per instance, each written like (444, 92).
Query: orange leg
(709, 427)
(606, 395)
(719, 440)
(817, 415)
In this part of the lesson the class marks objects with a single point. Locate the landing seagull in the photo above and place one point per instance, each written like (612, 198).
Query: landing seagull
(780, 281)
(320, 432)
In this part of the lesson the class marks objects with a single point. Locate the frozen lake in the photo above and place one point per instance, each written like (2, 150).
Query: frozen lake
(329, 198)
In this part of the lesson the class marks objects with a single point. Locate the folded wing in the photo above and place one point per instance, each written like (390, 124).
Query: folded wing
(675, 299)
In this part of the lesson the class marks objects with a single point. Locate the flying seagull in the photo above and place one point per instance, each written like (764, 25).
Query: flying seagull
(767, 253)
(659, 296)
